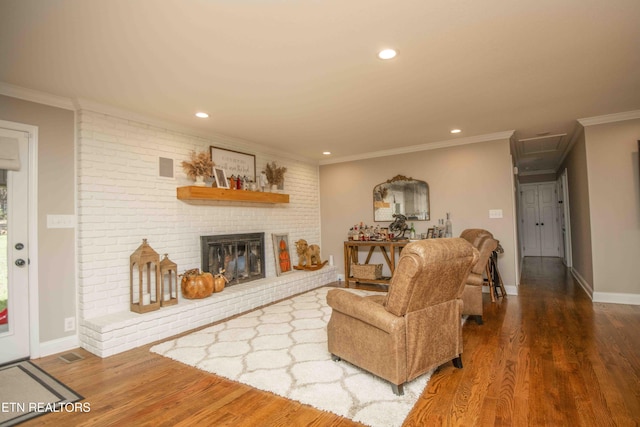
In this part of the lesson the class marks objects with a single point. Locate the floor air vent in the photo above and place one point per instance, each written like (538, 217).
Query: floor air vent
(71, 357)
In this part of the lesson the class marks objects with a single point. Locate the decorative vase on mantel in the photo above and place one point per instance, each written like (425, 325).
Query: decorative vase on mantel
(275, 176)
(199, 181)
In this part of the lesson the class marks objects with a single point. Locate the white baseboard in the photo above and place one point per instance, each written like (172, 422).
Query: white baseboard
(58, 346)
(605, 297)
(583, 283)
(616, 298)
(511, 290)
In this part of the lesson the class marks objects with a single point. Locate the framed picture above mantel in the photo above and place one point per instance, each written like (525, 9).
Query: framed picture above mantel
(234, 162)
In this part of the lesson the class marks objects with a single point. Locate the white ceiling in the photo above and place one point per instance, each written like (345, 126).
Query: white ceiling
(303, 75)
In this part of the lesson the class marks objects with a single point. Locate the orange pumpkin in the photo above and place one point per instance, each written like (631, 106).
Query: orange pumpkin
(218, 283)
(196, 285)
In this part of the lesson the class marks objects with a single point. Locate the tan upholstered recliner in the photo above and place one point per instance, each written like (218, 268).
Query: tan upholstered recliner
(416, 326)
(472, 294)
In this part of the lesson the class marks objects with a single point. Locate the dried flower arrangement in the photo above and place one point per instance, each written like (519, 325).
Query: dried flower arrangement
(200, 165)
(275, 173)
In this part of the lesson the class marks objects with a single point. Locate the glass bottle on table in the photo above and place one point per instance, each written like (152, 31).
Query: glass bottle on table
(448, 228)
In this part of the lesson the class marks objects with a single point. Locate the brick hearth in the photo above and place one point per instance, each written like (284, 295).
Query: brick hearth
(114, 333)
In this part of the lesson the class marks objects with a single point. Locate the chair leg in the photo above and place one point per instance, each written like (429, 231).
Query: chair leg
(490, 282)
(335, 358)
(501, 285)
(496, 278)
(457, 362)
(398, 390)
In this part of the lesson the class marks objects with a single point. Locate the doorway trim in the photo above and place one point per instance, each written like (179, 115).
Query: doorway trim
(568, 253)
(34, 313)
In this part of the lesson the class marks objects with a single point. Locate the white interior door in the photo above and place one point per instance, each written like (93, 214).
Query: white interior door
(530, 221)
(539, 220)
(547, 203)
(14, 249)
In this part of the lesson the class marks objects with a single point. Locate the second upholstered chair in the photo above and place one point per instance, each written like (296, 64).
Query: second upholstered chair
(472, 294)
(416, 326)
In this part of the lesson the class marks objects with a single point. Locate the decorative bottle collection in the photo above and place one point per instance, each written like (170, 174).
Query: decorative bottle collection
(241, 183)
(364, 232)
(444, 228)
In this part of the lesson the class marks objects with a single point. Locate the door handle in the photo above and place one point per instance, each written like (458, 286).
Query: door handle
(537, 223)
(20, 262)
(542, 223)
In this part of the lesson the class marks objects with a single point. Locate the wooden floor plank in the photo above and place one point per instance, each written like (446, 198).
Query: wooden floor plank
(549, 356)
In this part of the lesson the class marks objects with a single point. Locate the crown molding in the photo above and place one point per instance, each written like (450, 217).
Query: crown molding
(422, 147)
(36, 96)
(610, 118)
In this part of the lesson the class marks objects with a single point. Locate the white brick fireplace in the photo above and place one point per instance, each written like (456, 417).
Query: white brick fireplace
(121, 200)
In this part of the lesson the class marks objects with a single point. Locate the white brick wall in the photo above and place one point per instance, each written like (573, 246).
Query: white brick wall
(121, 200)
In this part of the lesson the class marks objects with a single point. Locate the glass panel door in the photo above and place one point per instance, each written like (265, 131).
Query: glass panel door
(14, 252)
(4, 254)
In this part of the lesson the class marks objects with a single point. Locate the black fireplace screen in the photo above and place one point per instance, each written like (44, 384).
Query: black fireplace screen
(241, 256)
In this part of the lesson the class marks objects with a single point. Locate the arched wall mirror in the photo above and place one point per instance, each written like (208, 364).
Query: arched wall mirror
(401, 195)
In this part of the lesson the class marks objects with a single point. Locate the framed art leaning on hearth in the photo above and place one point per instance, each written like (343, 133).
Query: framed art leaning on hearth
(281, 253)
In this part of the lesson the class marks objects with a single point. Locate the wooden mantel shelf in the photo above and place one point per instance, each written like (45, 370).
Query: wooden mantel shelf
(209, 193)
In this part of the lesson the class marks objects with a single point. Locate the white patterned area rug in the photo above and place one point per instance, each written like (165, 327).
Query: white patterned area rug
(282, 348)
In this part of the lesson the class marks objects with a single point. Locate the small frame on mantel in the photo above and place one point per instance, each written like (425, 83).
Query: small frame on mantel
(220, 177)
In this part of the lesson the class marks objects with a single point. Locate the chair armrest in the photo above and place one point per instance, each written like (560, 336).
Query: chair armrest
(364, 309)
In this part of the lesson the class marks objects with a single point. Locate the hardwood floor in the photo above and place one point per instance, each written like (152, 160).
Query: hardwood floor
(548, 357)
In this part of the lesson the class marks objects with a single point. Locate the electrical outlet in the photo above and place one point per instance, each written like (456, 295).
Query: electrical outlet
(69, 324)
(495, 213)
(61, 221)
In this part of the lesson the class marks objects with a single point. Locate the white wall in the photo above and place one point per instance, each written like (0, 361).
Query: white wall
(614, 200)
(580, 215)
(121, 200)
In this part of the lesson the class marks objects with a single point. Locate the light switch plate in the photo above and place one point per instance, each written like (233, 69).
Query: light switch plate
(61, 221)
(495, 213)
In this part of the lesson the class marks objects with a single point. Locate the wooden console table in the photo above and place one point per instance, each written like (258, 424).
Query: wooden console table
(388, 249)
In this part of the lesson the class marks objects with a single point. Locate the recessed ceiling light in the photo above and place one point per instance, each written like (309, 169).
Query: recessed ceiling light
(326, 153)
(202, 115)
(387, 54)
(455, 131)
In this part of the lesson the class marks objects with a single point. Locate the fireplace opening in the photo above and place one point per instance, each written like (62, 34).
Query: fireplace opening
(240, 255)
